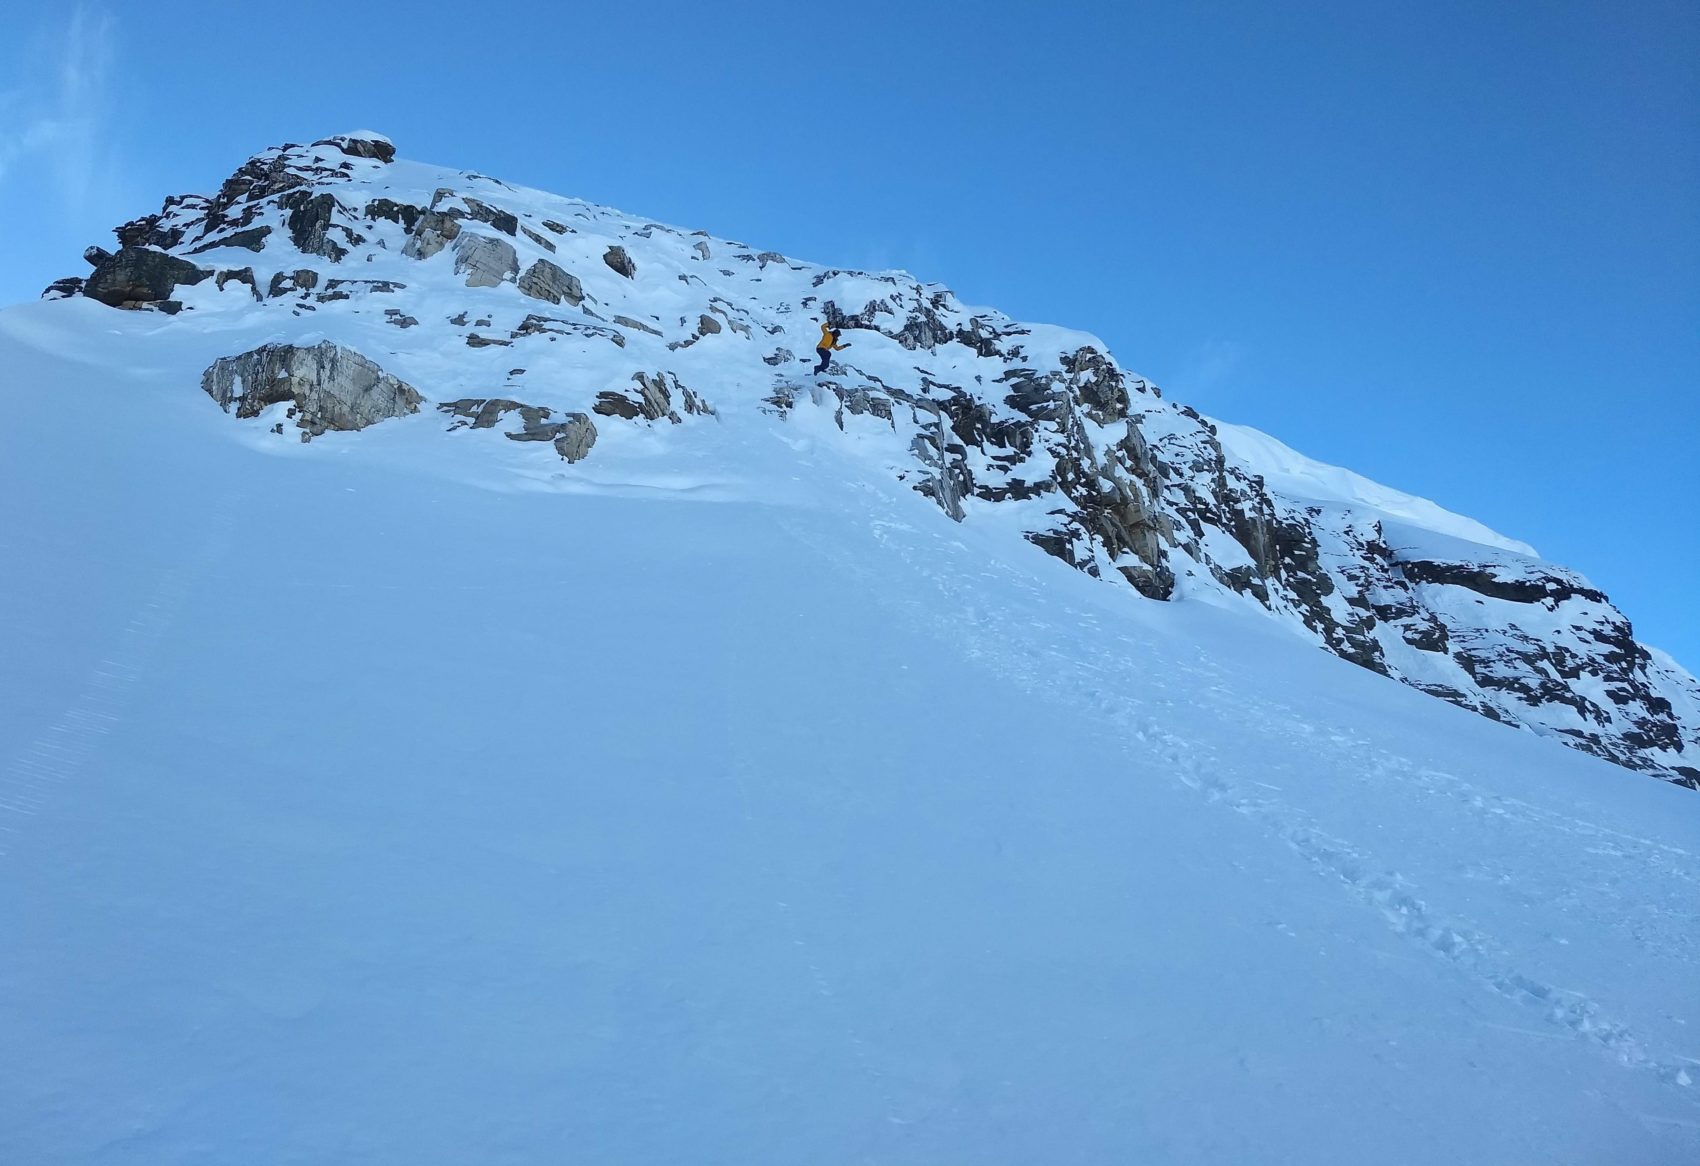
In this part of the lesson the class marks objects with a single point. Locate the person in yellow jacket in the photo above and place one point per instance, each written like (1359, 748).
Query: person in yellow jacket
(827, 346)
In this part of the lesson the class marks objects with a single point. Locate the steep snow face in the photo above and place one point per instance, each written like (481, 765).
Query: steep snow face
(580, 337)
(738, 806)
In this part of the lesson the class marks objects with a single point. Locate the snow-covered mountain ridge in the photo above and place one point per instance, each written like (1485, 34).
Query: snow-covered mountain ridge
(330, 287)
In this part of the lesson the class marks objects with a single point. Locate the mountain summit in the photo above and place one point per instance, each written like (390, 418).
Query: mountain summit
(383, 288)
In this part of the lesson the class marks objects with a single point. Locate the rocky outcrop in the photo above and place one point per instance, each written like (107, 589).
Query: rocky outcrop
(316, 223)
(363, 145)
(576, 437)
(545, 281)
(551, 326)
(137, 276)
(572, 436)
(431, 232)
(485, 260)
(1085, 461)
(303, 280)
(638, 325)
(652, 400)
(328, 386)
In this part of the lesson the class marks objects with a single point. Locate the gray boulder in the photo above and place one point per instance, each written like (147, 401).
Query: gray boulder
(545, 281)
(332, 387)
(433, 231)
(141, 275)
(577, 435)
(485, 260)
(617, 259)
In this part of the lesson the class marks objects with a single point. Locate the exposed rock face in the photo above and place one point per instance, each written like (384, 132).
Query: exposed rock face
(545, 281)
(652, 401)
(331, 387)
(141, 275)
(303, 279)
(639, 325)
(314, 222)
(485, 260)
(432, 231)
(972, 409)
(576, 437)
(361, 146)
(535, 325)
(573, 436)
(617, 260)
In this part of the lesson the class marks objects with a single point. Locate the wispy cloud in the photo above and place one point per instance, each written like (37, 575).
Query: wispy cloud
(55, 115)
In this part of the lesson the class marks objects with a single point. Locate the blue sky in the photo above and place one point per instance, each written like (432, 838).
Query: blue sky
(1453, 246)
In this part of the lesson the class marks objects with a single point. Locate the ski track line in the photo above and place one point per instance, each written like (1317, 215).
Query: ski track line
(989, 635)
(61, 751)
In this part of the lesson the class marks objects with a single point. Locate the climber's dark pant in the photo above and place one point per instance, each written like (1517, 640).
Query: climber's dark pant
(825, 359)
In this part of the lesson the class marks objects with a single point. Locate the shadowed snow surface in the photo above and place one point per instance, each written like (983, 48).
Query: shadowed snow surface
(354, 811)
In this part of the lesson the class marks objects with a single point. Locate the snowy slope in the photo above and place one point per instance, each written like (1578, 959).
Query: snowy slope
(584, 334)
(752, 788)
(356, 812)
(1301, 479)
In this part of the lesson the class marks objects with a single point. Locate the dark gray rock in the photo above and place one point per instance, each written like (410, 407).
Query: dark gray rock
(572, 436)
(617, 260)
(652, 401)
(403, 213)
(243, 275)
(253, 239)
(540, 240)
(504, 221)
(357, 146)
(140, 275)
(96, 255)
(535, 325)
(302, 279)
(311, 222)
(543, 280)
